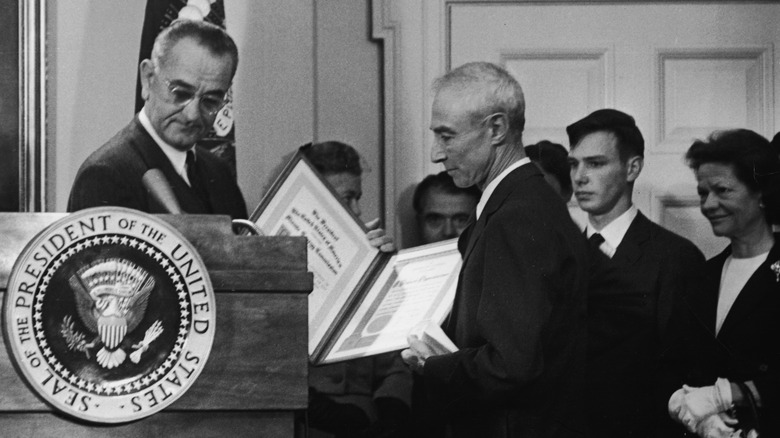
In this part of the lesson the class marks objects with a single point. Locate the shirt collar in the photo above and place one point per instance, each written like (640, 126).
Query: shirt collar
(177, 158)
(493, 184)
(614, 231)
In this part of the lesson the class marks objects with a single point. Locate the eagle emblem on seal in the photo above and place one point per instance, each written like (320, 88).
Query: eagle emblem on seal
(111, 297)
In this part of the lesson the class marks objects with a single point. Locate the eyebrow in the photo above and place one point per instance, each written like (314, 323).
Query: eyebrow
(185, 84)
(440, 129)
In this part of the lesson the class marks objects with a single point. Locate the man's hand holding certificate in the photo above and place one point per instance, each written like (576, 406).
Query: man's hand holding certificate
(425, 340)
(365, 300)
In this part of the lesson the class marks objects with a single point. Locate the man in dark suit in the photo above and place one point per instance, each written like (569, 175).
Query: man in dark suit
(519, 313)
(184, 85)
(650, 268)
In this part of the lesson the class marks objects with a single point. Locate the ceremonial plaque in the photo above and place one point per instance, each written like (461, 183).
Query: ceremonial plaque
(364, 302)
(110, 314)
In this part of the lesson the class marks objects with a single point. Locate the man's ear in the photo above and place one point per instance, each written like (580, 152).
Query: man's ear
(498, 126)
(146, 71)
(634, 167)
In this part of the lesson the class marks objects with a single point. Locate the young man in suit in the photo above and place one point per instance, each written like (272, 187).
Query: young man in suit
(518, 318)
(651, 268)
(184, 85)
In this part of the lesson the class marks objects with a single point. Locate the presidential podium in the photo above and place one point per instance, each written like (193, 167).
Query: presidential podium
(255, 380)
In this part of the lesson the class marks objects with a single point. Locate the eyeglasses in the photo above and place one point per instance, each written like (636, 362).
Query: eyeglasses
(181, 96)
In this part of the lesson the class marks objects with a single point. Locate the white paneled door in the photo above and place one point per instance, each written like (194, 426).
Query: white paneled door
(681, 69)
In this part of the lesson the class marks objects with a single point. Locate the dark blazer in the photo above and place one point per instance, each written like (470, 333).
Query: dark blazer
(628, 321)
(747, 348)
(112, 176)
(518, 319)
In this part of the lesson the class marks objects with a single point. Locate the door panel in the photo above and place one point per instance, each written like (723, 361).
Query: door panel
(682, 71)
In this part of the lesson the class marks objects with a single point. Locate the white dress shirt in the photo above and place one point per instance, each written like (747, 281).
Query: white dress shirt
(614, 231)
(491, 187)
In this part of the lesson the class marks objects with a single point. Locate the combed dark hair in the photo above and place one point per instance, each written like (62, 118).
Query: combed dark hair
(208, 35)
(330, 157)
(553, 158)
(754, 160)
(630, 142)
(440, 181)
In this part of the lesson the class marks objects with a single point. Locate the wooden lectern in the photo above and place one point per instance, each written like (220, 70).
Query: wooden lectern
(255, 380)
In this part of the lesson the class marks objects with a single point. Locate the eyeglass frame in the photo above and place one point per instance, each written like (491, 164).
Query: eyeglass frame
(172, 99)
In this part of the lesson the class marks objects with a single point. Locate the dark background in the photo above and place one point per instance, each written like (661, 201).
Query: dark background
(9, 105)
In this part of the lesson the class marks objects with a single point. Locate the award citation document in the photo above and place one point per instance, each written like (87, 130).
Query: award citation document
(364, 302)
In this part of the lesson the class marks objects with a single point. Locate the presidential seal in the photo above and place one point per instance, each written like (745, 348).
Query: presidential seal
(110, 314)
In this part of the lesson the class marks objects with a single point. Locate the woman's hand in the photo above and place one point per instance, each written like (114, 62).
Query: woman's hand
(717, 426)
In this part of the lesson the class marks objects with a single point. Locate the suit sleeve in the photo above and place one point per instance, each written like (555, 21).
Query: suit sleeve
(98, 186)
(393, 378)
(514, 311)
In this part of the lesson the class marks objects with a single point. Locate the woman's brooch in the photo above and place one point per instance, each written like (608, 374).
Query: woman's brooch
(775, 267)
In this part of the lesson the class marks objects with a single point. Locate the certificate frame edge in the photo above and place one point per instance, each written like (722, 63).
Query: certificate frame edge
(343, 320)
(357, 294)
(295, 161)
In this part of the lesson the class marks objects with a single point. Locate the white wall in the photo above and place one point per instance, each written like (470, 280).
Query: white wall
(348, 93)
(93, 56)
(296, 81)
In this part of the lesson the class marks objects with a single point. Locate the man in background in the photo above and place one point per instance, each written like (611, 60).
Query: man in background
(518, 318)
(184, 85)
(443, 209)
(628, 315)
(553, 161)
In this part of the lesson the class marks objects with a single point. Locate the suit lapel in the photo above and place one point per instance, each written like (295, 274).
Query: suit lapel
(509, 184)
(704, 302)
(630, 249)
(154, 158)
(471, 235)
(762, 282)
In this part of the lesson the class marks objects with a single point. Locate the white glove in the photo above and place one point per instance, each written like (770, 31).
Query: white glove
(675, 403)
(700, 403)
(716, 426)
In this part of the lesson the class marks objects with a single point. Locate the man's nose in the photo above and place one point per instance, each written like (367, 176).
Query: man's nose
(449, 228)
(579, 175)
(354, 205)
(437, 152)
(192, 110)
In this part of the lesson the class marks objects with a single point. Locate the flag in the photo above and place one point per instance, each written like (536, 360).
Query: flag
(159, 15)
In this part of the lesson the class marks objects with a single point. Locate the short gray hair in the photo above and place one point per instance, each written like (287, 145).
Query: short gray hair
(210, 36)
(491, 89)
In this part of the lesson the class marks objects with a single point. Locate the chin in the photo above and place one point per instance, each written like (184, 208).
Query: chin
(720, 231)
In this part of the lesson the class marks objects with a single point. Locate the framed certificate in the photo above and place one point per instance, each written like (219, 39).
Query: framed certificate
(364, 302)
(416, 285)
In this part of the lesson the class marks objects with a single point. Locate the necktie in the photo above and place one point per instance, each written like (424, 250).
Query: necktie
(596, 240)
(195, 180)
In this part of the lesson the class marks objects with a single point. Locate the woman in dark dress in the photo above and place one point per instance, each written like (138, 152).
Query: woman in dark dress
(729, 345)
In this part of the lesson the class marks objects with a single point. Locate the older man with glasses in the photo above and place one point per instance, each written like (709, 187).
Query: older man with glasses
(184, 86)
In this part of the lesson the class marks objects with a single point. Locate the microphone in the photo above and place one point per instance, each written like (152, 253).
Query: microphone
(160, 190)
